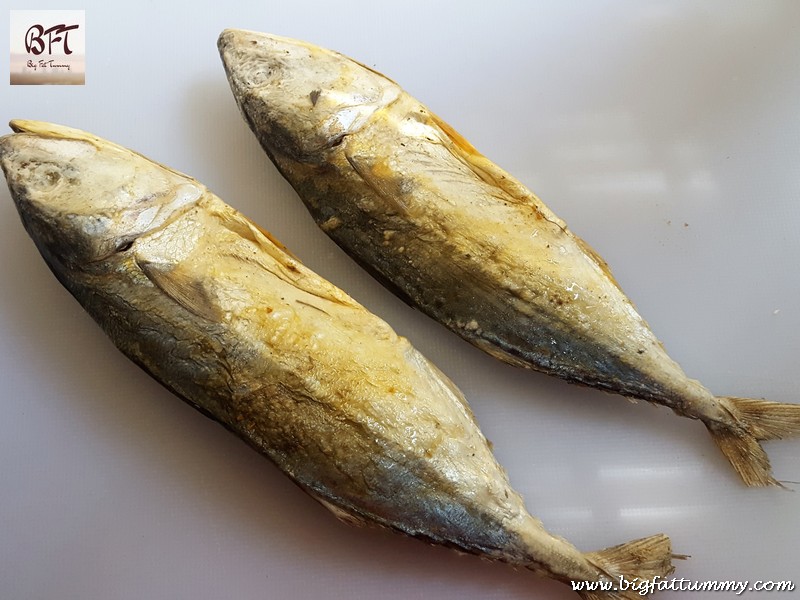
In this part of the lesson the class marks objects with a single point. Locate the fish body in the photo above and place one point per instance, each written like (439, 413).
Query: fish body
(460, 239)
(220, 313)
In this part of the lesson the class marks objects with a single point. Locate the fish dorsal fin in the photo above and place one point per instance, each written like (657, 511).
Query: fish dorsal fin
(182, 286)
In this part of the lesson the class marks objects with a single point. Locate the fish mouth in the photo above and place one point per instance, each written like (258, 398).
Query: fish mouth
(238, 46)
(230, 37)
(85, 198)
(242, 38)
(300, 100)
(44, 129)
(54, 131)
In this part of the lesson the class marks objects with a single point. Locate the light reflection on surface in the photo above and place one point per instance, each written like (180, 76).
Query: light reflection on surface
(572, 513)
(643, 181)
(655, 514)
(609, 150)
(621, 473)
(701, 181)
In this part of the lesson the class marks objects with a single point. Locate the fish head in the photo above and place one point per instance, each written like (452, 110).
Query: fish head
(300, 99)
(84, 199)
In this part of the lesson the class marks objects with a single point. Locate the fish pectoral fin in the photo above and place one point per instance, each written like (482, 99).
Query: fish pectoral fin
(283, 263)
(490, 173)
(377, 174)
(510, 188)
(182, 287)
(242, 226)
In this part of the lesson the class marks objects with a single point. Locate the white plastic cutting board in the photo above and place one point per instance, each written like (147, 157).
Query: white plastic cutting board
(667, 134)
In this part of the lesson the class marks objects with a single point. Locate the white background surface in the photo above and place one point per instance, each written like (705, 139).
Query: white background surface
(667, 134)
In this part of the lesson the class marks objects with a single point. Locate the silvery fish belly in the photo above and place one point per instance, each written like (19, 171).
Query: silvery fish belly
(221, 314)
(462, 240)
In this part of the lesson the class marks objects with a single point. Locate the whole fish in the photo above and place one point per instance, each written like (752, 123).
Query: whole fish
(220, 313)
(460, 239)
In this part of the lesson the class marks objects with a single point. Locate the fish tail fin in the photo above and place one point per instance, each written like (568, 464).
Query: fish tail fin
(630, 567)
(756, 421)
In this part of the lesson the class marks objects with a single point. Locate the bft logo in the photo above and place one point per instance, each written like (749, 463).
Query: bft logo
(48, 47)
(35, 41)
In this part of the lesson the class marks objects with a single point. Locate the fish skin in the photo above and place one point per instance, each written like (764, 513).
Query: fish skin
(217, 311)
(460, 239)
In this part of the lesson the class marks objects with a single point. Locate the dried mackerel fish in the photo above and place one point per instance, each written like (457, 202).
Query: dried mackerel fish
(462, 240)
(218, 312)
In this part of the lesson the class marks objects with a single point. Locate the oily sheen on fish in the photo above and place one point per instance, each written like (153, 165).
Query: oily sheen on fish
(221, 314)
(462, 240)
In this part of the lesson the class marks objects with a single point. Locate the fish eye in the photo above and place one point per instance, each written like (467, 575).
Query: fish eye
(124, 246)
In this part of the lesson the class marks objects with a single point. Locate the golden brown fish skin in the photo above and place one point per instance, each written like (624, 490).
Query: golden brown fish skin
(218, 312)
(385, 209)
(459, 238)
